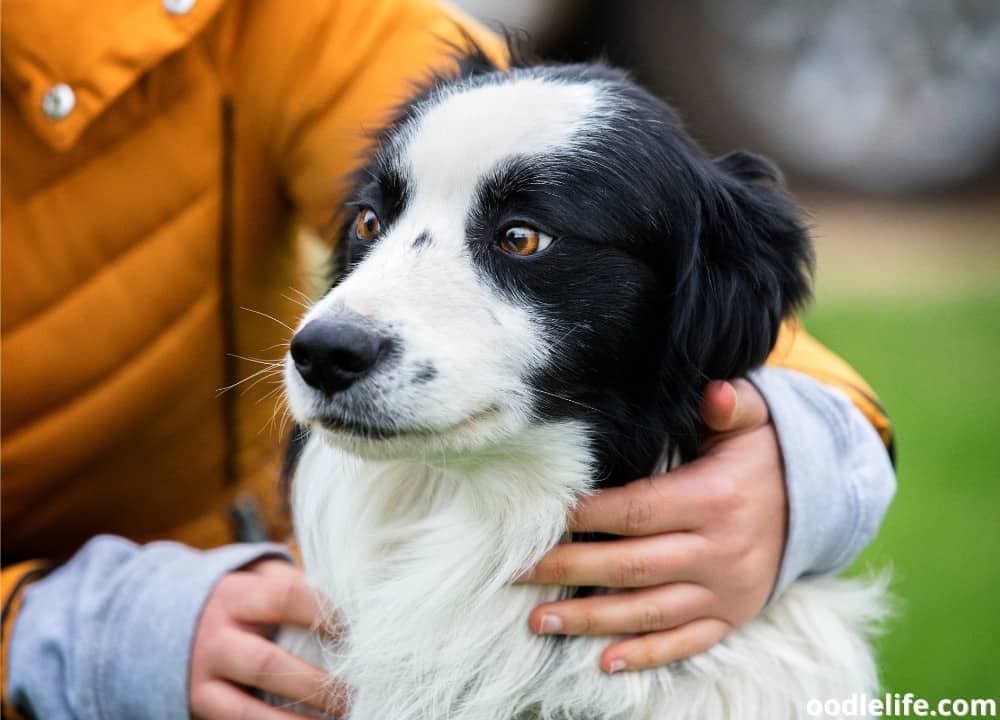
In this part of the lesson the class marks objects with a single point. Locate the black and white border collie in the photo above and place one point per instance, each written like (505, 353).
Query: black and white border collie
(540, 273)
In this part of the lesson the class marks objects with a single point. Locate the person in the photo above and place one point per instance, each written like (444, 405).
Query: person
(157, 158)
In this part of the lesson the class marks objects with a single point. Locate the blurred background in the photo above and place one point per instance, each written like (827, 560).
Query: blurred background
(885, 117)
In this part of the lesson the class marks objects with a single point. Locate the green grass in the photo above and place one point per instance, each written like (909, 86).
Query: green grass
(936, 365)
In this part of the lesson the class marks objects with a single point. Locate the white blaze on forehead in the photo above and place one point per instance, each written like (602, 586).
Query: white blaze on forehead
(432, 298)
(464, 136)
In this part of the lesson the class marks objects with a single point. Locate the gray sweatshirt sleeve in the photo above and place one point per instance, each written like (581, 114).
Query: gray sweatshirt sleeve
(838, 474)
(108, 635)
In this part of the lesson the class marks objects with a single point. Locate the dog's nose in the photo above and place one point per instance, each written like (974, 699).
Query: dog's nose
(330, 354)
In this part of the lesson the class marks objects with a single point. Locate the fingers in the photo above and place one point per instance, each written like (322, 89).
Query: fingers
(229, 651)
(682, 499)
(733, 406)
(221, 701)
(256, 662)
(641, 611)
(657, 504)
(685, 499)
(661, 648)
(284, 600)
(627, 563)
(718, 403)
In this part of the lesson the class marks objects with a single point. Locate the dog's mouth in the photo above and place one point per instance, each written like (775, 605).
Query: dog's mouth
(366, 430)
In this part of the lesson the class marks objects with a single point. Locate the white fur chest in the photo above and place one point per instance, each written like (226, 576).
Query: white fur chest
(417, 560)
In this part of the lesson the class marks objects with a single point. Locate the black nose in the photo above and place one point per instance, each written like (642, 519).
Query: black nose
(331, 354)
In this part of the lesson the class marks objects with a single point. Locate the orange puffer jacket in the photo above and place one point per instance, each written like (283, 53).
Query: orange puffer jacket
(156, 158)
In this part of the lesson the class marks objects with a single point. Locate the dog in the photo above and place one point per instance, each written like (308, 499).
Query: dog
(539, 272)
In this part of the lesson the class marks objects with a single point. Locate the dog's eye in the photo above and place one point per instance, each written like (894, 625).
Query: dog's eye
(366, 224)
(522, 240)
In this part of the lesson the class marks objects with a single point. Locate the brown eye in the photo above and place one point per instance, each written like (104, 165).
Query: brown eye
(366, 225)
(522, 240)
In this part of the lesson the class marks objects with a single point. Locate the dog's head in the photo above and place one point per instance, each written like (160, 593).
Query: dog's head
(541, 244)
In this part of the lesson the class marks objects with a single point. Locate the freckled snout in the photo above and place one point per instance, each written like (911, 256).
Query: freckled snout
(331, 355)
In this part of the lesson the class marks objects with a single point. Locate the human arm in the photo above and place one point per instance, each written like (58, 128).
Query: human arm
(116, 631)
(707, 543)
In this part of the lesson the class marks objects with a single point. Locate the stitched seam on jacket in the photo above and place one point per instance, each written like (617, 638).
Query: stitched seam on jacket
(65, 404)
(109, 265)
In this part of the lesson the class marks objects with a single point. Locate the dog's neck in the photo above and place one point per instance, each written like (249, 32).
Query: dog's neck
(418, 561)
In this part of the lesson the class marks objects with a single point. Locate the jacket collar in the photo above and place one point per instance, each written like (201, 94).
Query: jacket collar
(96, 49)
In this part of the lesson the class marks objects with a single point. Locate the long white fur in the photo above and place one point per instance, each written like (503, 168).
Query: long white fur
(418, 559)
(416, 540)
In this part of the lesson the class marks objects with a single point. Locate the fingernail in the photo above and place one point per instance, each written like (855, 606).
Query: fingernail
(550, 624)
(616, 666)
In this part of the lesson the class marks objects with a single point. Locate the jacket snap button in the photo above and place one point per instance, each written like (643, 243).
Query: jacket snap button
(58, 101)
(178, 7)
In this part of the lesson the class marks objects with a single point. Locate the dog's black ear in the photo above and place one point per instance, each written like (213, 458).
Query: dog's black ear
(748, 265)
(752, 168)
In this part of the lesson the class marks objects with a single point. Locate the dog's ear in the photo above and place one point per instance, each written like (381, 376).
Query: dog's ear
(748, 265)
(751, 168)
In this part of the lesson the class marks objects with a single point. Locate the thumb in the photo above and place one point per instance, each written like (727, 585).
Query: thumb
(733, 406)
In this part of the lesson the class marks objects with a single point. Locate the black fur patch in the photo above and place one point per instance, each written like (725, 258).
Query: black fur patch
(422, 241)
(425, 373)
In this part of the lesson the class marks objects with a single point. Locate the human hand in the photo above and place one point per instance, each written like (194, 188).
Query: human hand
(702, 547)
(232, 651)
